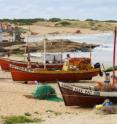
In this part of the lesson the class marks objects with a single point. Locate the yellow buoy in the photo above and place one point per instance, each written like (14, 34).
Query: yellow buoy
(99, 107)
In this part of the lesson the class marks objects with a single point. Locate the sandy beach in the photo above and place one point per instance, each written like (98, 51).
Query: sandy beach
(50, 33)
(42, 30)
(13, 101)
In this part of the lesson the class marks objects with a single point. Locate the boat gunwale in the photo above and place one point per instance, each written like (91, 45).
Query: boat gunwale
(90, 92)
(23, 69)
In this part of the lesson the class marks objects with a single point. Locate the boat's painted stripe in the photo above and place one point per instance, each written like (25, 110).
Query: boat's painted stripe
(88, 91)
(108, 94)
(53, 72)
(80, 90)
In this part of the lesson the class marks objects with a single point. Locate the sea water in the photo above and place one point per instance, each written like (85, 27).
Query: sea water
(102, 54)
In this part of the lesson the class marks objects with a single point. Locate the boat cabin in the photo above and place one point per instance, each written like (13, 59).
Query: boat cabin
(50, 58)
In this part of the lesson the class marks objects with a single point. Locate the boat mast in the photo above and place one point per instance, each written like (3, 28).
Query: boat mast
(62, 52)
(44, 53)
(27, 44)
(114, 52)
(90, 54)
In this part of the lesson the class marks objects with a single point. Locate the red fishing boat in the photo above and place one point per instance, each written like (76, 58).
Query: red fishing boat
(24, 74)
(5, 64)
(73, 70)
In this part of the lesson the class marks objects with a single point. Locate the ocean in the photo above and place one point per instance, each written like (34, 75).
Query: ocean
(102, 54)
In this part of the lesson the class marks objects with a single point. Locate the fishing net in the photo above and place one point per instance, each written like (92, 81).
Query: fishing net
(46, 92)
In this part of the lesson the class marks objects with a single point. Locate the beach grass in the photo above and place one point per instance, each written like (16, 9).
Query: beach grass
(20, 120)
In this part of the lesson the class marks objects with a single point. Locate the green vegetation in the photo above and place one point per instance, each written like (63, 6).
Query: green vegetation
(20, 119)
(115, 21)
(88, 23)
(63, 23)
(50, 111)
(89, 20)
(54, 19)
(54, 112)
(94, 25)
(57, 113)
(27, 114)
(23, 21)
(18, 54)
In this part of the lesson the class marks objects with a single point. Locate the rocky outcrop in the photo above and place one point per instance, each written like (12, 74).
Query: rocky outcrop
(59, 45)
(8, 44)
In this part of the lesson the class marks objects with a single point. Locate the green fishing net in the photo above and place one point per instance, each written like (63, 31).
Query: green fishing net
(46, 92)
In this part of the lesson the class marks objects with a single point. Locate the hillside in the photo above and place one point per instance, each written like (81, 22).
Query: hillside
(85, 27)
(56, 25)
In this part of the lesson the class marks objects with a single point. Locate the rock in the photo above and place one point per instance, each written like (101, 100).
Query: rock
(59, 45)
(2, 52)
(62, 46)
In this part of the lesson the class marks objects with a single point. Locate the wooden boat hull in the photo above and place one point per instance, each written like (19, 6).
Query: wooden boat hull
(75, 98)
(45, 76)
(5, 64)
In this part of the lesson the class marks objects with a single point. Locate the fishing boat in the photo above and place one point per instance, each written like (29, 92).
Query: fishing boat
(50, 60)
(74, 69)
(5, 64)
(24, 74)
(77, 95)
(86, 96)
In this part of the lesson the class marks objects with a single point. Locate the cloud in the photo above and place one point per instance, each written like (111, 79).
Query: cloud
(81, 9)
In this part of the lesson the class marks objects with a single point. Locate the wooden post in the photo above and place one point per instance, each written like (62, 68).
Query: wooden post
(61, 51)
(44, 54)
(114, 54)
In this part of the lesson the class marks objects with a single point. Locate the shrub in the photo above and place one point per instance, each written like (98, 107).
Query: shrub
(63, 23)
(89, 20)
(19, 119)
(54, 19)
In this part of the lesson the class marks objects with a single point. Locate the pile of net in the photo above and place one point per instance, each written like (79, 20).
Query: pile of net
(46, 92)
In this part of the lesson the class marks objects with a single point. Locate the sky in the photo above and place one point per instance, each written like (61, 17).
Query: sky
(73, 9)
